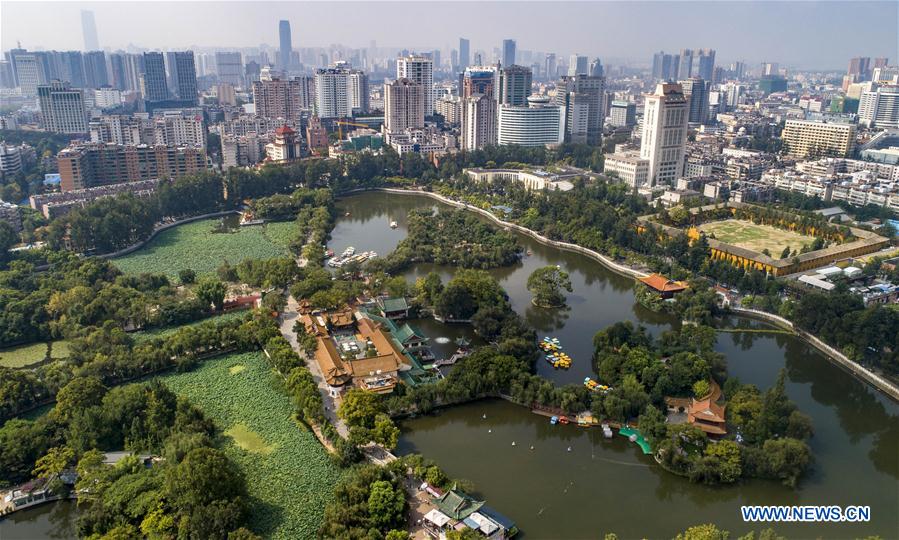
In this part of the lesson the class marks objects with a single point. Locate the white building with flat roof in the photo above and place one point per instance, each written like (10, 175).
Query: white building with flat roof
(630, 168)
(538, 124)
(665, 117)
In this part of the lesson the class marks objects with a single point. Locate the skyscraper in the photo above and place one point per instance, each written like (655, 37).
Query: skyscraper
(664, 66)
(95, 74)
(286, 46)
(478, 80)
(550, 66)
(514, 85)
(577, 65)
(276, 98)
(419, 69)
(478, 122)
(89, 29)
(153, 85)
(464, 54)
(404, 106)
(596, 69)
(664, 133)
(118, 78)
(62, 108)
(508, 52)
(706, 64)
(183, 74)
(28, 73)
(685, 64)
(229, 68)
(359, 92)
(332, 93)
(696, 92)
(583, 98)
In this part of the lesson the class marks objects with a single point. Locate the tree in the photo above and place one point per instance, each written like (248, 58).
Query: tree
(204, 476)
(703, 532)
(722, 462)
(211, 291)
(652, 424)
(53, 462)
(359, 408)
(701, 388)
(81, 393)
(547, 284)
(385, 432)
(8, 238)
(187, 276)
(386, 505)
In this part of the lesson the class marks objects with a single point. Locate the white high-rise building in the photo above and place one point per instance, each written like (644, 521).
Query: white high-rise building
(665, 133)
(28, 73)
(175, 129)
(62, 108)
(880, 107)
(538, 124)
(577, 65)
(332, 98)
(478, 121)
(404, 106)
(360, 94)
(420, 70)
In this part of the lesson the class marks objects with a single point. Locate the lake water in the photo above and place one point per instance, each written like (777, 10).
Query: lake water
(52, 520)
(609, 485)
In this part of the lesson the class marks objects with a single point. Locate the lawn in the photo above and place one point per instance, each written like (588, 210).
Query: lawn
(746, 234)
(289, 474)
(196, 246)
(23, 355)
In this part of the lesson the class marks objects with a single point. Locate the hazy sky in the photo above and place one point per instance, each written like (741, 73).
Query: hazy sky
(804, 34)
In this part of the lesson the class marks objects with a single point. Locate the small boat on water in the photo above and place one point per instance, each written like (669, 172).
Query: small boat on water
(393, 225)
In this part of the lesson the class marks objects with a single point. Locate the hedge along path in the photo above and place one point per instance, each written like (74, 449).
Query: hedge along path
(289, 474)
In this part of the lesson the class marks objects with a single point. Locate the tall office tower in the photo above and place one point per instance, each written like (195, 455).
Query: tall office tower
(404, 106)
(696, 92)
(664, 133)
(332, 98)
(583, 98)
(72, 68)
(623, 114)
(435, 58)
(134, 67)
(117, 77)
(478, 121)
(418, 69)
(859, 66)
(685, 64)
(153, 85)
(664, 66)
(706, 64)
(514, 85)
(549, 66)
(184, 75)
(286, 46)
(770, 69)
(454, 61)
(229, 68)
(881, 62)
(359, 92)
(95, 74)
(7, 79)
(478, 80)
(577, 65)
(252, 71)
(276, 98)
(879, 107)
(62, 108)
(464, 54)
(596, 69)
(89, 29)
(28, 73)
(738, 70)
(508, 52)
(537, 124)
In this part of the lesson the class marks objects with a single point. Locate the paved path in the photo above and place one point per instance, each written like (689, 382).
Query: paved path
(288, 318)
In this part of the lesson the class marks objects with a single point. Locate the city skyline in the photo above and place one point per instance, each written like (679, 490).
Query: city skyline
(738, 30)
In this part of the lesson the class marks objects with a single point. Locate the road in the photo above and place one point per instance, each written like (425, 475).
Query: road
(289, 317)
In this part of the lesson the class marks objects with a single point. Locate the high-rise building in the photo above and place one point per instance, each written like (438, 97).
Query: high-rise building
(359, 92)
(478, 80)
(121, 129)
(881, 62)
(332, 89)
(537, 124)
(859, 66)
(508, 52)
(879, 107)
(685, 64)
(584, 102)
(179, 129)
(478, 122)
(664, 136)
(28, 73)
(229, 68)
(95, 74)
(770, 69)
(276, 98)
(623, 114)
(738, 70)
(117, 72)
(134, 68)
(596, 69)
(549, 66)
(696, 91)
(464, 54)
(89, 29)
(514, 85)
(92, 164)
(286, 45)
(62, 108)
(814, 138)
(706, 68)
(404, 106)
(577, 65)
(664, 66)
(418, 69)
(183, 75)
(154, 86)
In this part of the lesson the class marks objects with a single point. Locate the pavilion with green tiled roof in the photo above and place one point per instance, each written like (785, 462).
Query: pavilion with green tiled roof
(457, 504)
